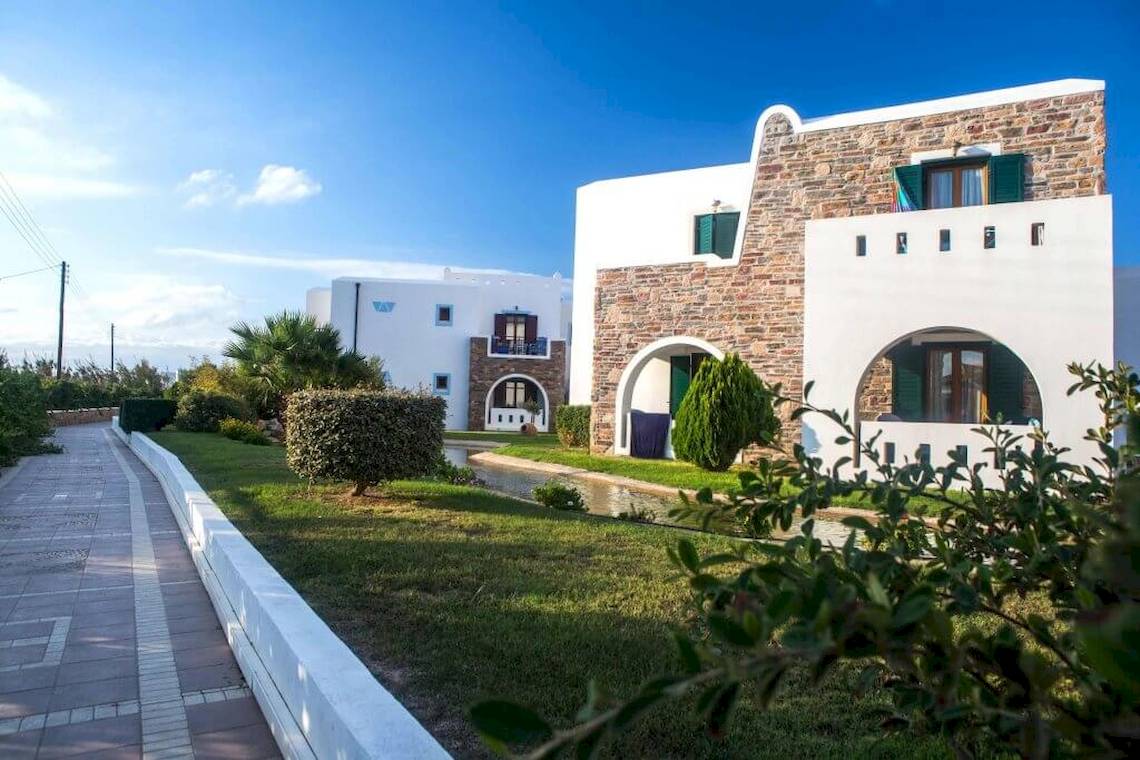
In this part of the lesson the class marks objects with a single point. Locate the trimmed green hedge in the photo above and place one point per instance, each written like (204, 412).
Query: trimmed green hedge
(146, 414)
(726, 408)
(572, 421)
(364, 437)
(201, 411)
(23, 413)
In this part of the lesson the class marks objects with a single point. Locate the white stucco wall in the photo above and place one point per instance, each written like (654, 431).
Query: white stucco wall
(1050, 305)
(1127, 317)
(318, 303)
(635, 221)
(414, 348)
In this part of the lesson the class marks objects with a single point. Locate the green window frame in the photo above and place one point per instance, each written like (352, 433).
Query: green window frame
(1004, 179)
(715, 233)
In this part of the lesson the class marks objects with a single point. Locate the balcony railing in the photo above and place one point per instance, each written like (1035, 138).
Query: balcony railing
(516, 347)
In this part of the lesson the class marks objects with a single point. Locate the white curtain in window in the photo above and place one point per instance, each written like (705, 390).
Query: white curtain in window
(941, 189)
(972, 187)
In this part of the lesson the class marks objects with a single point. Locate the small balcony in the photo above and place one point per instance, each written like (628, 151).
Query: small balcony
(539, 348)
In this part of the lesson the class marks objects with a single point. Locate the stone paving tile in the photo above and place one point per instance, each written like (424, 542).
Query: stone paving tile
(86, 537)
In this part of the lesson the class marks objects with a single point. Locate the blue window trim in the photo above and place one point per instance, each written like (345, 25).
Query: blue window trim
(435, 389)
(451, 310)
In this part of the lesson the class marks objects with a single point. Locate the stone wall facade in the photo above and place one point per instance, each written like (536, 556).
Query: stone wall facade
(63, 417)
(486, 371)
(756, 307)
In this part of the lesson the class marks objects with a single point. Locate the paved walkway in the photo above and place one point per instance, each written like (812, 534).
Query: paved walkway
(109, 646)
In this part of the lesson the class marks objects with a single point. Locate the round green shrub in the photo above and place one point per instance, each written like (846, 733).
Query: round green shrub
(560, 496)
(362, 436)
(242, 430)
(572, 421)
(726, 409)
(201, 411)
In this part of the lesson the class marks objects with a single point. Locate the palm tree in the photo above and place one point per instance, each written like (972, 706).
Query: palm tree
(292, 352)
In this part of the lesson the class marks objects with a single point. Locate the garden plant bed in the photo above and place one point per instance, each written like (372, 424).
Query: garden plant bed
(453, 595)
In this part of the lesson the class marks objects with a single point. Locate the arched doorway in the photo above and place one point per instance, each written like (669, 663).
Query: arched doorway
(515, 400)
(655, 381)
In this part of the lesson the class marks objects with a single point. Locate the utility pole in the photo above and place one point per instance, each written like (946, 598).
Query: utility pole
(112, 347)
(59, 344)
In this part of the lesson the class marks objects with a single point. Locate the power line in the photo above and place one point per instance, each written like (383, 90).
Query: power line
(30, 271)
(30, 220)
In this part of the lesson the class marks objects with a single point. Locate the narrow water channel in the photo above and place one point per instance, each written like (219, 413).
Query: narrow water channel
(602, 498)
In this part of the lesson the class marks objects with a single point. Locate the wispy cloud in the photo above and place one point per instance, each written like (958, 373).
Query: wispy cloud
(281, 184)
(40, 156)
(276, 185)
(326, 267)
(208, 187)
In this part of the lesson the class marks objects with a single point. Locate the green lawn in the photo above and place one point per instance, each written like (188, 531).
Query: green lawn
(453, 595)
(500, 436)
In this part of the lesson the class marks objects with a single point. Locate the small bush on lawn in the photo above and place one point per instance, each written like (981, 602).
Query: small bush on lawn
(362, 436)
(560, 496)
(201, 411)
(572, 421)
(456, 476)
(146, 414)
(726, 409)
(241, 430)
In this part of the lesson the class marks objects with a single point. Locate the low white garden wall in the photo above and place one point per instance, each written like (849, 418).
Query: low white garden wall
(319, 699)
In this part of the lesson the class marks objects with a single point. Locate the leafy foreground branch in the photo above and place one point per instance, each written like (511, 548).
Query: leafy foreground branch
(930, 612)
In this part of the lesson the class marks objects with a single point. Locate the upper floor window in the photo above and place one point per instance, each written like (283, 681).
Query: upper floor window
(516, 333)
(715, 233)
(443, 315)
(950, 183)
(956, 184)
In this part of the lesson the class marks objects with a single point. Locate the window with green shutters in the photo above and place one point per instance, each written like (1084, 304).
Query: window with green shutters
(715, 233)
(1005, 377)
(907, 369)
(1004, 181)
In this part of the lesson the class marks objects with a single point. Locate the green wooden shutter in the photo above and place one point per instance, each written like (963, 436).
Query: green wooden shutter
(703, 234)
(724, 234)
(1007, 178)
(907, 365)
(680, 375)
(1004, 377)
(909, 180)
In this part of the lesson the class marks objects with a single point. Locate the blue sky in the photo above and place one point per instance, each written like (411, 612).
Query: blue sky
(199, 163)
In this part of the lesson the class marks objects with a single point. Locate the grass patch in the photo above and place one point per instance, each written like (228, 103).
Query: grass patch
(501, 436)
(453, 595)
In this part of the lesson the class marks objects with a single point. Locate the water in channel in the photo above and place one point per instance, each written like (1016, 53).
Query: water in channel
(602, 498)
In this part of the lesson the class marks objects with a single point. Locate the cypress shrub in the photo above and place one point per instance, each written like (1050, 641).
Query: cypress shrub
(572, 421)
(362, 436)
(726, 409)
(201, 411)
(146, 414)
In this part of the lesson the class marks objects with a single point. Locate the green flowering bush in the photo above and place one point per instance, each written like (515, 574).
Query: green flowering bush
(572, 421)
(202, 411)
(242, 430)
(934, 614)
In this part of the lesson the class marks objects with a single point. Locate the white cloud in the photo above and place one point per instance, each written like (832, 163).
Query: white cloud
(41, 157)
(281, 184)
(20, 101)
(54, 187)
(326, 267)
(149, 310)
(207, 187)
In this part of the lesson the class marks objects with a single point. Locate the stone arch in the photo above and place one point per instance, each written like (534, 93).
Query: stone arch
(542, 426)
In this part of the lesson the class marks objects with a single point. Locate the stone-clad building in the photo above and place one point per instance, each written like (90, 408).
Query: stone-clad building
(929, 266)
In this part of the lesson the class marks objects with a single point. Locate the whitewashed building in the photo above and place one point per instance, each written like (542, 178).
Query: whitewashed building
(928, 266)
(493, 344)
